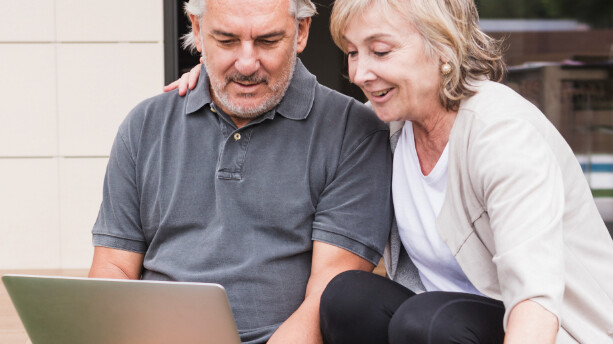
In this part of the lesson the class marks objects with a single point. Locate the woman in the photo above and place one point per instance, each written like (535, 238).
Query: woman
(498, 237)
(491, 205)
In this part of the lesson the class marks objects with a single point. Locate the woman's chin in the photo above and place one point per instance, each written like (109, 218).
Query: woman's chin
(386, 115)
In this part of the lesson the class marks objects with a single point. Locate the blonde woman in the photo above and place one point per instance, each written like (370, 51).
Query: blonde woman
(497, 237)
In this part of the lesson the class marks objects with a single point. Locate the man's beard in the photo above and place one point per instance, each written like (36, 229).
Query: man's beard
(251, 111)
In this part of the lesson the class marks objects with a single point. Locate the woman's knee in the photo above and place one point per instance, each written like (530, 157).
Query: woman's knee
(409, 324)
(356, 307)
(340, 295)
(440, 318)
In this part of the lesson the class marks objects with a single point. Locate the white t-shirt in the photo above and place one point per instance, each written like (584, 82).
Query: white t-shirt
(418, 200)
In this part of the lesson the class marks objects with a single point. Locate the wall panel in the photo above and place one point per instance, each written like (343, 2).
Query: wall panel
(109, 21)
(28, 108)
(80, 198)
(27, 21)
(98, 84)
(29, 214)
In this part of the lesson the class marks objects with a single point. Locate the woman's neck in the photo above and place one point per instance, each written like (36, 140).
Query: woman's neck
(431, 136)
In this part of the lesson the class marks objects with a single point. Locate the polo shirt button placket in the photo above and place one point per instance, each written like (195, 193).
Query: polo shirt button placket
(233, 154)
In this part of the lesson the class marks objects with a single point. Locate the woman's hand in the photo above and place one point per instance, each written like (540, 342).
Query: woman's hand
(187, 80)
(529, 322)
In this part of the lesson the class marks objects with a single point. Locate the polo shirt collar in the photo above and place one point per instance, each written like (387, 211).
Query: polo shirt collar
(298, 100)
(199, 96)
(296, 104)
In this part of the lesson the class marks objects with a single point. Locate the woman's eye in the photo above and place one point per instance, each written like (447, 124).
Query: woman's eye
(352, 53)
(381, 53)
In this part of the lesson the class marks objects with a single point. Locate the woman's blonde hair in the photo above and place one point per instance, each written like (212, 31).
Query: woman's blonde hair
(450, 29)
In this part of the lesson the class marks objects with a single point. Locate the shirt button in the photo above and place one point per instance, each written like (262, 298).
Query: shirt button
(237, 137)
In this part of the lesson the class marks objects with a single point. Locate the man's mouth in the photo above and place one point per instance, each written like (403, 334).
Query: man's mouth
(247, 80)
(247, 84)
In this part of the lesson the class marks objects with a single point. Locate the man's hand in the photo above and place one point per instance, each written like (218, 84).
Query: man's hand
(113, 263)
(328, 261)
(187, 80)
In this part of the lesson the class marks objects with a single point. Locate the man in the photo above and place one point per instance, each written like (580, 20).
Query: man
(260, 179)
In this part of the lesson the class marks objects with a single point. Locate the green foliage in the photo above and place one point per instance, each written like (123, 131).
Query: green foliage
(598, 13)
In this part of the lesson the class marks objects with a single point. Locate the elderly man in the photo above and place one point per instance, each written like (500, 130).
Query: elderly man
(260, 179)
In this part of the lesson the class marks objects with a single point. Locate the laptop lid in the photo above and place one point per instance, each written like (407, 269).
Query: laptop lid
(70, 310)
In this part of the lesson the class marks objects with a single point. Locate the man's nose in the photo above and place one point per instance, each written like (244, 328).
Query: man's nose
(247, 61)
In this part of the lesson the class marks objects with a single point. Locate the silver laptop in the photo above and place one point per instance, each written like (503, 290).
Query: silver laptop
(67, 310)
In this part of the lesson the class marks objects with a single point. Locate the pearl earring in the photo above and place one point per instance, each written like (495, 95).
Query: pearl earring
(446, 68)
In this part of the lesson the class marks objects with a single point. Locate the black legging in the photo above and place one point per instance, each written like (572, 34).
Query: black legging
(361, 307)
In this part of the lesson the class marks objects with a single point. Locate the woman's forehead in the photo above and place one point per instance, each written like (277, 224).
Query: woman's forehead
(375, 21)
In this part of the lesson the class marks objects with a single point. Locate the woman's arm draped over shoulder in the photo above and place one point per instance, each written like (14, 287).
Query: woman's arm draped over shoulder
(187, 80)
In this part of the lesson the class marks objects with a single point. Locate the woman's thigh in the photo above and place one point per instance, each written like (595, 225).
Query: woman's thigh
(356, 307)
(446, 317)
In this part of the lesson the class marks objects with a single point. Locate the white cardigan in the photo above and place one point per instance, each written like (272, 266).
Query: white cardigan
(519, 216)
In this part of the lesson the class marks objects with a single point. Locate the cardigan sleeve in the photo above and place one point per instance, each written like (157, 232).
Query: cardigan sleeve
(517, 176)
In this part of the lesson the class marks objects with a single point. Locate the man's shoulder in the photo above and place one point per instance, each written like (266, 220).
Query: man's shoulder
(159, 105)
(334, 103)
(154, 111)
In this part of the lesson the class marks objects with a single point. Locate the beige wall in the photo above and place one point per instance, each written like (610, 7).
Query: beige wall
(70, 71)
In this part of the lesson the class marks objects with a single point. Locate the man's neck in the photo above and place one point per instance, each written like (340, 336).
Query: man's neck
(239, 122)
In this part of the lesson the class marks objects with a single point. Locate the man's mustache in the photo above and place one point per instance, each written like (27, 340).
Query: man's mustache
(251, 79)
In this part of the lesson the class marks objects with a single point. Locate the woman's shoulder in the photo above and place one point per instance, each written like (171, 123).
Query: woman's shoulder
(494, 102)
(493, 99)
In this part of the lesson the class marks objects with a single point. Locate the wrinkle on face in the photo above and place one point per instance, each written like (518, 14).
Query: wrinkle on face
(248, 75)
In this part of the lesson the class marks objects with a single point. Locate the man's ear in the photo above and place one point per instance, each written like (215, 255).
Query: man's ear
(196, 31)
(303, 34)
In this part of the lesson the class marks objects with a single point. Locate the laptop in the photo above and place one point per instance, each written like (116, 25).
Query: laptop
(67, 310)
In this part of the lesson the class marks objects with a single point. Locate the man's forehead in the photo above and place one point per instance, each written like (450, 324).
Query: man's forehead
(247, 8)
(254, 18)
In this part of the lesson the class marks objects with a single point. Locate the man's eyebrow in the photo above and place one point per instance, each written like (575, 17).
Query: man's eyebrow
(272, 34)
(222, 33)
(264, 36)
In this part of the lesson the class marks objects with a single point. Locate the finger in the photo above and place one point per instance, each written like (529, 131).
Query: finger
(183, 84)
(171, 86)
(193, 77)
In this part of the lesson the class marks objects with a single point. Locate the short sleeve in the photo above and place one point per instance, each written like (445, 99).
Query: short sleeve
(118, 223)
(520, 180)
(354, 211)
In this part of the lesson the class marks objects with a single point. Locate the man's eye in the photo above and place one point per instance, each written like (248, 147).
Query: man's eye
(226, 41)
(268, 41)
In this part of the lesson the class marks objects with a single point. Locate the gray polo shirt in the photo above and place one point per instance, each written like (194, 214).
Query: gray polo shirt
(207, 202)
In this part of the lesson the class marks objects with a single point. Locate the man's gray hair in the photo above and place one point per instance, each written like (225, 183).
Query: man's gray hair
(300, 9)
